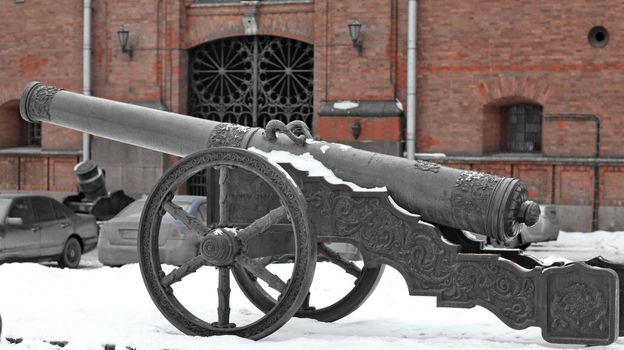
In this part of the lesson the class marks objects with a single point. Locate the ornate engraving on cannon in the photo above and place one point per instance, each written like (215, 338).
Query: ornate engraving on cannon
(229, 135)
(427, 166)
(430, 265)
(37, 101)
(580, 301)
(574, 303)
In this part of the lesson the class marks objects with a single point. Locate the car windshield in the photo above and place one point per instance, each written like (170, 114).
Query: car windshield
(4, 206)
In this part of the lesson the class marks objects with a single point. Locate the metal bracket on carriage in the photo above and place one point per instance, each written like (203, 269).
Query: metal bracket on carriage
(577, 303)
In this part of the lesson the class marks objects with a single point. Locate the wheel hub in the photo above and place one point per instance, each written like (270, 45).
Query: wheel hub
(220, 247)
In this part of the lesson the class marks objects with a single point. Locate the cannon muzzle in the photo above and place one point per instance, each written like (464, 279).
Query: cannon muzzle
(467, 200)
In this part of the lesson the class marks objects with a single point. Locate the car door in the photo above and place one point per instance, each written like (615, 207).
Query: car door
(22, 241)
(54, 228)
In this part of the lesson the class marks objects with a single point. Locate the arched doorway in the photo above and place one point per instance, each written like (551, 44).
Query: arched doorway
(250, 80)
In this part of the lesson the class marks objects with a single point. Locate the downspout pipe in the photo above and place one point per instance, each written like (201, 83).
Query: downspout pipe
(596, 119)
(412, 13)
(86, 70)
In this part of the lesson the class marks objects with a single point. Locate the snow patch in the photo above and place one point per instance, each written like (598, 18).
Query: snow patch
(324, 148)
(306, 162)
(344, 147)
(275, 163)
(429, 155)
(399, 104)
(344, 105)
(111, 306)
(401, 209)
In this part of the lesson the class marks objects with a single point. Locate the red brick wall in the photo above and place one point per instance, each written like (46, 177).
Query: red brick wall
(570, 138)
(115, 75)
(472, 54)
(38, 173)
(41, 40)
(208, 23)
(9, 172)
(372, 129)
(340, 72)
(611, 181)
(12, 127)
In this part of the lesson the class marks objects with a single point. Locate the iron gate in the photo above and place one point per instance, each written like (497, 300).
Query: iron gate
(250, 80)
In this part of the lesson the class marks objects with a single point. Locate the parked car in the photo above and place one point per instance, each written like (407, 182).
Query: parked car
(546, 229)
(117, 244)
(39, 228)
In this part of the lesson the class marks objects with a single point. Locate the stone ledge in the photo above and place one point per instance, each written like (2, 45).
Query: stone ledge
(36, 151)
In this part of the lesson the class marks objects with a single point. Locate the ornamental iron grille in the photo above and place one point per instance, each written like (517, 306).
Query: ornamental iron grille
(250, 80)
(524, 128)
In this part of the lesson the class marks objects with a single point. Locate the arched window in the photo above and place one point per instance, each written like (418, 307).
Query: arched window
(522, 128)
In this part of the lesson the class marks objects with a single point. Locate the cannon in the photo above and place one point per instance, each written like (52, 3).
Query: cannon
(279, 201)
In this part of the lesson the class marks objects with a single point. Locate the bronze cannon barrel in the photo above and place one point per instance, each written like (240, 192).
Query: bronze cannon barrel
(467, 200)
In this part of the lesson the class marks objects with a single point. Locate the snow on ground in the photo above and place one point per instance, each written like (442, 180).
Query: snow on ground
(94, 305)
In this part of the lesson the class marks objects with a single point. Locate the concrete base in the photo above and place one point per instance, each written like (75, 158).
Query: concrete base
(575, 218)
(611, 218)
(578, 218)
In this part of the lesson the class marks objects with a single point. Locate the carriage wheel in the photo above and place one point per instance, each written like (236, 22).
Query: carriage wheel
(223, 247)
(362, 279)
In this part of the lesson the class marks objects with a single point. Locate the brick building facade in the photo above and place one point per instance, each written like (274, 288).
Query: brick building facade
(514, 88)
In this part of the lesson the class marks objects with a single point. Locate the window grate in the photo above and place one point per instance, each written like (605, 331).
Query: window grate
(34, 134)
(524, 128)
(196, 184)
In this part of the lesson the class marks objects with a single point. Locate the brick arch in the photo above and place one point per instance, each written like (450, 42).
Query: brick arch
(210, 37)
(504, 90)
(498, 93)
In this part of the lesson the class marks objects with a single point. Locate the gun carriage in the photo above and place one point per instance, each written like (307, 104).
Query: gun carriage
(274, 199)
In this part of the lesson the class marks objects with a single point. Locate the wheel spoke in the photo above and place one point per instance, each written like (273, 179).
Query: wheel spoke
(262, 224)
(223, 208)
(335, 258)
(180, 214)
(224, 297)
(184, 270)
(262, 273)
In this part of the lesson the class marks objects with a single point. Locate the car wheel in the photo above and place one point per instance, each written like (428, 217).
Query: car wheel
(71, 254)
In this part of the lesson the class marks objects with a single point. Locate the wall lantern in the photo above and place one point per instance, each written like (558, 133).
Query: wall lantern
(355, 27)
(123, 34)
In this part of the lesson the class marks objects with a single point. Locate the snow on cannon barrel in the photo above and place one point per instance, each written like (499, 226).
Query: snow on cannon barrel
(467, 200)
(276, 198)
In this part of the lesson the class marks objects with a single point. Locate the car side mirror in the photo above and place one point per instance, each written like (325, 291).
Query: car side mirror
(15, 221)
